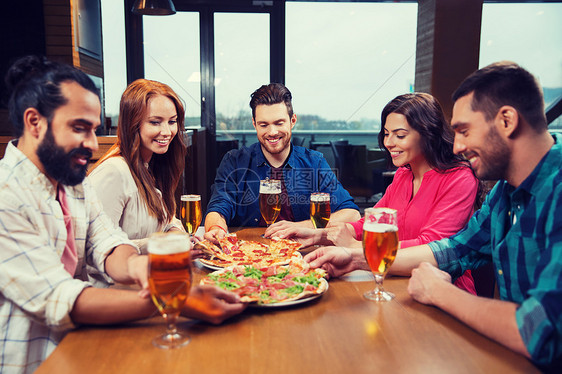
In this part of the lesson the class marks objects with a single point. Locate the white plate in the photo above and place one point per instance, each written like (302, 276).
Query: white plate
(210, 267)
(283, 304)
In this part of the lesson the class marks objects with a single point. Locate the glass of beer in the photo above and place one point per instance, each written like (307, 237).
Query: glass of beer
(169, 279)
(191, 212)
(270, 200)
(380, 243)
(319, 209)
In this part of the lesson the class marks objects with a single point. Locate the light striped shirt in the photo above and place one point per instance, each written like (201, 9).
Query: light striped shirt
(37, 294)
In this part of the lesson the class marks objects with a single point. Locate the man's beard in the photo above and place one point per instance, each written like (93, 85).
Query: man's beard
(495, 161)
(58, 164)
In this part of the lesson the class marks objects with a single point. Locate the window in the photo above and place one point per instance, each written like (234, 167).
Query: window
(114, 60)
(171, 56)
(241, 66)
(344, 62)
(530, 35)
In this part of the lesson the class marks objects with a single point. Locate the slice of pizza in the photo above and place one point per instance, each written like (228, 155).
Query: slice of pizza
(229, 243)
(280, 246)
(245, 281)
(213, 252)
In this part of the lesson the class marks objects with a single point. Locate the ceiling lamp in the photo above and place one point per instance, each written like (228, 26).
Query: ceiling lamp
(154, 7)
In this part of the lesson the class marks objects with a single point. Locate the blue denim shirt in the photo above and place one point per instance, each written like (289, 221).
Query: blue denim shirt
(235, 193)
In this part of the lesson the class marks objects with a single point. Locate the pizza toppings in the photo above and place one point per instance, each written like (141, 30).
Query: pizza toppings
(232, 251)
(269, 285)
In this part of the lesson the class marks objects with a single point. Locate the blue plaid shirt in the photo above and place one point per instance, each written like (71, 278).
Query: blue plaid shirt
(235, 193)
(520, 231)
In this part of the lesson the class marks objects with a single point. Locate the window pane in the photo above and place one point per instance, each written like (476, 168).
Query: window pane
(241, 66)
(344, 62)
(114, 60)
(171, 56)
(530, 35)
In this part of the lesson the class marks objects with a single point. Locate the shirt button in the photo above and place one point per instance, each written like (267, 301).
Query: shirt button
(500, 272)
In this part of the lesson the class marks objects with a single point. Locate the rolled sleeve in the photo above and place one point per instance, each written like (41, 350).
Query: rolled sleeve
(540, 329)
(102, 235)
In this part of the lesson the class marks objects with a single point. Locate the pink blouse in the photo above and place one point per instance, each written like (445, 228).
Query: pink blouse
(442, 207)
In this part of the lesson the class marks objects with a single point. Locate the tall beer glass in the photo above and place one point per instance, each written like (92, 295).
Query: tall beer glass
(169, 279)
(319, 209)
(270, 200)
(191, 212)
(380, 243)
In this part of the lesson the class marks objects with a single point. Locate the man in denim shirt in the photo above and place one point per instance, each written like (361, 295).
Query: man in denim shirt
(500, 127)
(235, 193)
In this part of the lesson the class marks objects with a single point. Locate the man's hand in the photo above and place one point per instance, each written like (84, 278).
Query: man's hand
(215, 234)
(212, 304)
(342, 234)
(337, 261)
(425, 280)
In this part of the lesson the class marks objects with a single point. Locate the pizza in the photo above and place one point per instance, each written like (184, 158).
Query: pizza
(232, 251)
(270, 285)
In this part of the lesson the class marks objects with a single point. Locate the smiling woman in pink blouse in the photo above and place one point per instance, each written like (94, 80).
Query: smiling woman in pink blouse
(433, 190)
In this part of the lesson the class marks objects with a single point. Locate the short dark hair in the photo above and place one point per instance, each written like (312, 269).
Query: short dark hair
(34, 82)
(424, 114)
(273, 93)
(505, 83)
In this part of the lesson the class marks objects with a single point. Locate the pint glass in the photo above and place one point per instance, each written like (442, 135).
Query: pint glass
(191, 212)
(270, 200)
(319, 209)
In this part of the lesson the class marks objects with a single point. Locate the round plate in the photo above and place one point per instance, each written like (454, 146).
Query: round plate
(283, 304)
(210, 267)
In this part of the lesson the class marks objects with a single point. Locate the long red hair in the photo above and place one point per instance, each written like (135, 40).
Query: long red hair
(164, 170)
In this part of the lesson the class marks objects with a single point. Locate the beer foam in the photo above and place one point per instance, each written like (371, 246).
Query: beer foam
(190, 197)
(270, 188)
(320, 197)
(379, 227)
(168, 243)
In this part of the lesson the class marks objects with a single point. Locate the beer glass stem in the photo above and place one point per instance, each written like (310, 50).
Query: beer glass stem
(171, 329)
(378, 284)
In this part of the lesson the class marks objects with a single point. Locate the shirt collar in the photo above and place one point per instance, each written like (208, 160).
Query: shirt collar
(27, 170)
(262, 161)
(550, 163)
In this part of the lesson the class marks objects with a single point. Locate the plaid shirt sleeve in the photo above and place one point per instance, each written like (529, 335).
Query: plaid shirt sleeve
(469, 248)
(539, 316)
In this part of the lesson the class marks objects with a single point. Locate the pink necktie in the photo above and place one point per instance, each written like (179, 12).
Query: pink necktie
(69, 256)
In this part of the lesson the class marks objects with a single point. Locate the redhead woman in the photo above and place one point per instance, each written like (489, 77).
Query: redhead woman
(433, 190)
(137, 177)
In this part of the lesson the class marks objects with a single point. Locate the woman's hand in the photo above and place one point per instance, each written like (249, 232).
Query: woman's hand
(342, 234)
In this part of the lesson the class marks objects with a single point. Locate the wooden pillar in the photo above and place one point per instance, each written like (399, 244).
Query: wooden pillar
(448, 46)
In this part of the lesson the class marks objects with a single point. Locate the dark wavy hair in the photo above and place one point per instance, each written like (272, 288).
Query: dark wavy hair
(273, 93)
(424, 114)
(164, 170)
(34, 82)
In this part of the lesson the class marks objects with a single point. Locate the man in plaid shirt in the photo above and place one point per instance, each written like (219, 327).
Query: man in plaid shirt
(500, 127)
(53, 252)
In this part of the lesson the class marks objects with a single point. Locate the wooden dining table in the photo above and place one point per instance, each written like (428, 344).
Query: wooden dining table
(339, 332)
